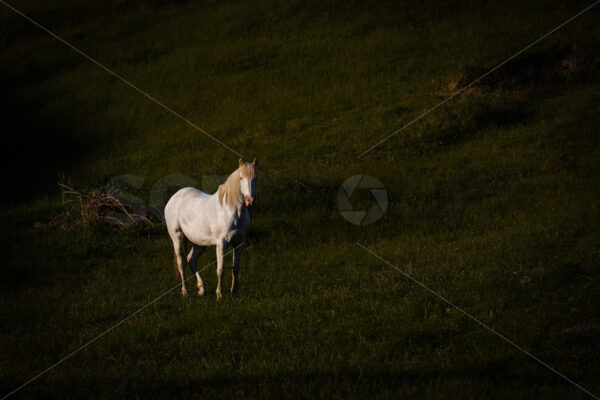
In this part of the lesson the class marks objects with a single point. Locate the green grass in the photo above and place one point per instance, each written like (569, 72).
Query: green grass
(494, 199)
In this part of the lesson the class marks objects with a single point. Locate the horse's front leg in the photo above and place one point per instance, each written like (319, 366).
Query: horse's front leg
(237, 253)
(220, 254)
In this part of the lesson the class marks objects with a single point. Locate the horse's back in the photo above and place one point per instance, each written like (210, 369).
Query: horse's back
(196, 215)
(180, 199)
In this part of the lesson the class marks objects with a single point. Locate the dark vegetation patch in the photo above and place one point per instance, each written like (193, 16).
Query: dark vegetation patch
(460, 122)
(531, 72)
(106, 206)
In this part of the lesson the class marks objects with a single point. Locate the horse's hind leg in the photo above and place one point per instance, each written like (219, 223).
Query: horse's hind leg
(179, 247)
(193, 261)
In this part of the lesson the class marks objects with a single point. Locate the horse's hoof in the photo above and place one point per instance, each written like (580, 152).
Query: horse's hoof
(219, 296)
(201, 292)
(184, 293)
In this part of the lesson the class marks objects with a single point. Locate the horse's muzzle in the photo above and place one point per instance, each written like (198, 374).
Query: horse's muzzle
(249, 200)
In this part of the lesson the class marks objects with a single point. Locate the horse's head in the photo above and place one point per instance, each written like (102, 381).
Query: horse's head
(248, 180)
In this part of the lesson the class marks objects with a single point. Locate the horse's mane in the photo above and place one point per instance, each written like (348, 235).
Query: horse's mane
(231, 190)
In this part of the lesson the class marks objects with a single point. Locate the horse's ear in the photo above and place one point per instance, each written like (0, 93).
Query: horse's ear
(241, 162)
(254, 162)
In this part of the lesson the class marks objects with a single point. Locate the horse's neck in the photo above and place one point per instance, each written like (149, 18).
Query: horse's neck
(231, 201)
(229, 193)
(231, 213)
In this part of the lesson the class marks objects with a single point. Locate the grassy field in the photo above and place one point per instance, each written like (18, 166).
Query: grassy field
(494, 198)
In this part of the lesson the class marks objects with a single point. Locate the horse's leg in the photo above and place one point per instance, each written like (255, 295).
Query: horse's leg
(237, 253)
(179, 245)
(220, 253)
(193, 261)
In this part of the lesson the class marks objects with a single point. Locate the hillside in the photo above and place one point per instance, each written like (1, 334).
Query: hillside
(494, 199)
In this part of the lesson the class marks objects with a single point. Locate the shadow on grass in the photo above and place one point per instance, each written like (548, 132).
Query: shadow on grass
(347, 383)
(36, 147)
(34, 153)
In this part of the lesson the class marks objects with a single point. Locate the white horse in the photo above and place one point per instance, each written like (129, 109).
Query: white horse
(219, 220)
